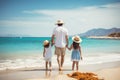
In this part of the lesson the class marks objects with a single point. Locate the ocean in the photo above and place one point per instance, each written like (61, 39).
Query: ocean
(27, 52)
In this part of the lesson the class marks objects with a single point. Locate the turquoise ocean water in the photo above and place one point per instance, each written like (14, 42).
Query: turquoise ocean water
(16, 44)
(19, 52)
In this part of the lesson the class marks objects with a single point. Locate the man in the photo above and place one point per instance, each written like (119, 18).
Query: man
(60, 40)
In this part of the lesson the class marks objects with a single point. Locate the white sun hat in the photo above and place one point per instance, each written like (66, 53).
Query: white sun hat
(45, 42)
(59, 22)
(77, 39)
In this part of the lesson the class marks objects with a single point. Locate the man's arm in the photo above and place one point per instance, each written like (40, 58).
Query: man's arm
(53, 42)
(67, 42)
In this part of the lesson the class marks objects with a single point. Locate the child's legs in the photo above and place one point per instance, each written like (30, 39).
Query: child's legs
(50, 64)
(77, 65)
(46, 64)
(73, 64)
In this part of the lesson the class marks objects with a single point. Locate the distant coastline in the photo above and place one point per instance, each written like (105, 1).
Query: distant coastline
(103, 37)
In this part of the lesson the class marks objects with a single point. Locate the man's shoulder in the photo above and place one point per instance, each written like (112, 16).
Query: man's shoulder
(60, 28)
(64, 28)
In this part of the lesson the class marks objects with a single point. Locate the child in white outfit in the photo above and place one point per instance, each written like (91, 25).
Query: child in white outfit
(47, 54)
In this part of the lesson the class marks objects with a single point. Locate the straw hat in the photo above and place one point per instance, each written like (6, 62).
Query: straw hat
(45, 42)
(77, 39)
(59, 22)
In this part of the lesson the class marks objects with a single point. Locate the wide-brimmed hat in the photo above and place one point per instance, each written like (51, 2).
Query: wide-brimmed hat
(59, 22)
(77, 39)
(45, 42)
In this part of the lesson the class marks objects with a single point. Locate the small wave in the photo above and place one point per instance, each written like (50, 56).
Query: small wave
(20, 63)
(12, 64)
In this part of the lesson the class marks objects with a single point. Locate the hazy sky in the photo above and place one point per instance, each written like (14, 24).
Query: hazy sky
(38, 17)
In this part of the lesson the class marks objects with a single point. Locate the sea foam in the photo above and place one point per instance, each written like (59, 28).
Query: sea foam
(38, 61)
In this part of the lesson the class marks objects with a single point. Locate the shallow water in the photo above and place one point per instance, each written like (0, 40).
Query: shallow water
(27, 52)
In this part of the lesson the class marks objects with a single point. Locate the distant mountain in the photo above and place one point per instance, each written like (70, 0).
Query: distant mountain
(100, 32)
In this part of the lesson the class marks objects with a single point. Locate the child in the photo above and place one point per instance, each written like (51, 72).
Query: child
(76, 51)
(47, 54)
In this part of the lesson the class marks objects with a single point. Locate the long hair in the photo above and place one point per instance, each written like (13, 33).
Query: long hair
(75, 45)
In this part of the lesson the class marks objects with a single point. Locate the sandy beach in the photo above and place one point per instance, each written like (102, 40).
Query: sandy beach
(108, 73)
(106, 68)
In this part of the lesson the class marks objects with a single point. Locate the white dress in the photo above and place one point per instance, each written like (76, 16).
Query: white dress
(48, 53)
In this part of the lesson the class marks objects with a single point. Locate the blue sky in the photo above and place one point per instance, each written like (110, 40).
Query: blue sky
(38, 17)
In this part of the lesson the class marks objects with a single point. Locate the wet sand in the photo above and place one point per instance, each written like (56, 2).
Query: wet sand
(41, 74)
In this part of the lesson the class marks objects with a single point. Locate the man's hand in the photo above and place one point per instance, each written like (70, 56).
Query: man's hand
(53, 43)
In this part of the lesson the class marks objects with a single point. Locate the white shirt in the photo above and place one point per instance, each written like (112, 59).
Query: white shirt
(60, 33)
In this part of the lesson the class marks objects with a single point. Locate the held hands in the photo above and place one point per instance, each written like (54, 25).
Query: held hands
(53, 42)
(66, 45)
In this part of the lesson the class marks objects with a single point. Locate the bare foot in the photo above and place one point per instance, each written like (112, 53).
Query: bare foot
(50, 68)
(60, 69)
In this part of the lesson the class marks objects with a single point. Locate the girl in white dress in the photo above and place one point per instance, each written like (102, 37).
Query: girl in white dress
(47, 54)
